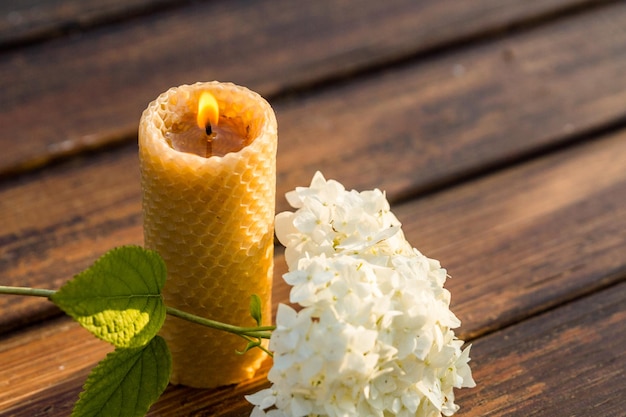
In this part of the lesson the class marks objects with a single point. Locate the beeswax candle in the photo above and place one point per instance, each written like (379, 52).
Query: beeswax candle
(211, 219)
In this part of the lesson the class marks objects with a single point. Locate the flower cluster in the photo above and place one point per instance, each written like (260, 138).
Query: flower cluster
(373, 336)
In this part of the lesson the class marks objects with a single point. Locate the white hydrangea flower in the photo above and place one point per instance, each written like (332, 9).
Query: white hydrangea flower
(374, 335)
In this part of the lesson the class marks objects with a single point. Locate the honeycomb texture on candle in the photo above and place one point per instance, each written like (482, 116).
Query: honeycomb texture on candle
(212, 221)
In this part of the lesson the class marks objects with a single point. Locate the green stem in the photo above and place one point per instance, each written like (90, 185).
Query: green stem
(36, 292)
(263, 332)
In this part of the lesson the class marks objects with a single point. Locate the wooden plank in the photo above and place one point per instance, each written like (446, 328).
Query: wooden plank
(57, 222)
(56, 242)
(30, 20)
(77, 93)
(56, 379)
(37, 359)
(529, 238)
(428, 125)
(46, 365)
(100, 212)
(567, 361)
(548, 249)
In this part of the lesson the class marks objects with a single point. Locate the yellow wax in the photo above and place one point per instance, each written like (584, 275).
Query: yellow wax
(212, 220)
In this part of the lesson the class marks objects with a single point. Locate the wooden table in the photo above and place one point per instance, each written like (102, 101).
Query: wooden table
(496, 127)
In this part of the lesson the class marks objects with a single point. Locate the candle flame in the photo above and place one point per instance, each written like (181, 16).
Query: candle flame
(208, 111)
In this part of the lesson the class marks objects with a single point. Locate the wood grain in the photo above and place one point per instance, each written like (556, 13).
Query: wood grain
(529, 238)
(423, 126)
(512, 217)
(510, 207)
(35, 20)
(78, 93)
(567, 362)
(497, 128)
(99, 211)
(39, 358)
(78, 210)
(49, 363)
(545, 366)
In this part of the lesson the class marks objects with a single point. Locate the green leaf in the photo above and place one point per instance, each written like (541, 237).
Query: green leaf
(127, 382)
(255, 309)
(118, 298)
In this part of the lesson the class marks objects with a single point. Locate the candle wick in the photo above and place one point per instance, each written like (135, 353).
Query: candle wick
(209, 140)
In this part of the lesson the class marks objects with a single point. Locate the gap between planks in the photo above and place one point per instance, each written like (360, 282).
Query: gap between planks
(91, 204)
(563, 362)
(116, 76)
(500, 237)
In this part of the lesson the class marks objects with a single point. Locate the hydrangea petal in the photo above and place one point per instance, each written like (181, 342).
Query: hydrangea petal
(374, 333)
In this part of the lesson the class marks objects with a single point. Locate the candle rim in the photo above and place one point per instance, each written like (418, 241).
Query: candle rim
(189, 95)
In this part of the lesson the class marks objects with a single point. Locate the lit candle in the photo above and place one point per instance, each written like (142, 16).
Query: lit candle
(208, 174)
(203, 134)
